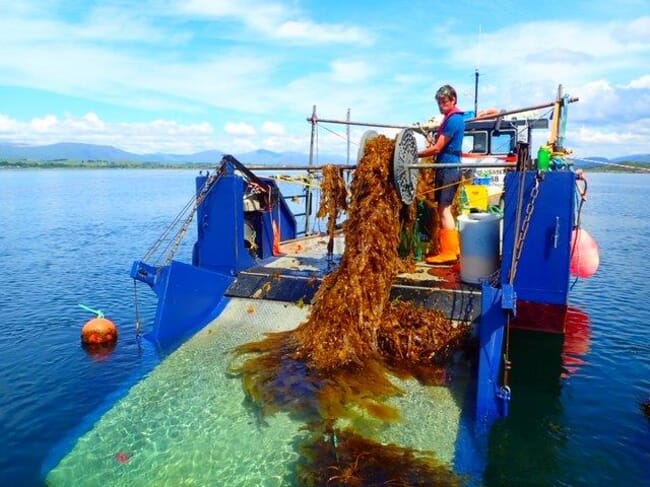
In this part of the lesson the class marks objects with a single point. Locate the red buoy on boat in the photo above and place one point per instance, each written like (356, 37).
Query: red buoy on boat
(99, 331)
(585, 257)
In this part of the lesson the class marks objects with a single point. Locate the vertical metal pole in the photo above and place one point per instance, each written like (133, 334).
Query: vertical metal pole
(308, 195)
(476, 92)
(347, 133)
(555, 127)
(562, 122)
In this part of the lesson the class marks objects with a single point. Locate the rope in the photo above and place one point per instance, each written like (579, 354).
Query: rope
(582, 194)
(98, 312)
(344, 137)
(520, 203)
(156, 245)
(507, 365)
(303, 181)
(138, 327)
(205, 190)
(521, 229)
(190, 207)
(613, 164)
(436, 188)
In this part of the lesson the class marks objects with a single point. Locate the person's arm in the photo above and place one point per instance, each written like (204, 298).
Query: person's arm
(435, 149)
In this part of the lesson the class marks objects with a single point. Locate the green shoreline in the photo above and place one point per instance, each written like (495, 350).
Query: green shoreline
(632, 167)
(70, 164)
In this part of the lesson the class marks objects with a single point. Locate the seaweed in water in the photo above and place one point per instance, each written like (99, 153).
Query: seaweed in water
(344, 458)
(340, 360)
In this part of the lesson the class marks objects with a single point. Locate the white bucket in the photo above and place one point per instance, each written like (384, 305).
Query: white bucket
(479, 245)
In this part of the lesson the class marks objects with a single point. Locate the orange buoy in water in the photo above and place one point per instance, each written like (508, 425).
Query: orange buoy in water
(99, 331)
(584, 254)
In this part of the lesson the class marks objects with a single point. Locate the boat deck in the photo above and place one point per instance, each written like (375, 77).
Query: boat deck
(296, 276)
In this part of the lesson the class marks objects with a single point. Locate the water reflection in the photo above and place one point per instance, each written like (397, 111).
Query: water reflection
(577, 340)
(529, 443)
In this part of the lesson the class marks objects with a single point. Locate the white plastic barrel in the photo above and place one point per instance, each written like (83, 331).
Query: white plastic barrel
(479, 246)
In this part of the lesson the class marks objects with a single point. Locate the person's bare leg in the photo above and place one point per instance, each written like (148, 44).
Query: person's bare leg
(446, 217)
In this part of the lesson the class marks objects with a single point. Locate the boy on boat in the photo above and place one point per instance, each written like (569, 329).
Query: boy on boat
(446, 148)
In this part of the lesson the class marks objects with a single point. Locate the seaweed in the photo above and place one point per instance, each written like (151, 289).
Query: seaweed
(333, 200)
(344, 458)
(339, 362)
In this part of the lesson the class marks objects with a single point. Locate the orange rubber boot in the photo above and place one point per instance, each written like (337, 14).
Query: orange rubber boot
(449, 248)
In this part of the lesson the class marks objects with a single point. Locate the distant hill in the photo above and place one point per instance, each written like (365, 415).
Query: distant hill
(92, 152)
(72, 151)
(64, 150)
(624, 163)
(638, 158)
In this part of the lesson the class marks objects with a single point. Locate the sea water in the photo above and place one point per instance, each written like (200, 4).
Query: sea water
(70, 236)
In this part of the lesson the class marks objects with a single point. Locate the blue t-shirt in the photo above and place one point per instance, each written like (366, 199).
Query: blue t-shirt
(454, 129)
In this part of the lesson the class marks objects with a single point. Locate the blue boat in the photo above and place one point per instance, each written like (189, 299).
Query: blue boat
(256, 267)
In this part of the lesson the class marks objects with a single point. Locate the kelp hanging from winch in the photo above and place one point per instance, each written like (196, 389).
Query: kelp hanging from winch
(333, 200)
(340, 357)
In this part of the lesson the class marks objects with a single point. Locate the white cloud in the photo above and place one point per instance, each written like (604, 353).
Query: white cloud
(142, 137)
(540, 50)
(312, 32)
(273, 128)
(44, 124)
(239, 129)
(7, 125)
(112, 58)
(275, 21)
(636, 31)
(610, 140)
(640, 83)
(604, 102)
(351, 71)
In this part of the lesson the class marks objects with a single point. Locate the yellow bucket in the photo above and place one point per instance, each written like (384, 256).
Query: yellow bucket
(477, 197)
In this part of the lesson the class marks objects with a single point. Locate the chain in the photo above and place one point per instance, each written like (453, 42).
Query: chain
(524, 228)
(516, 255)
(205, 190)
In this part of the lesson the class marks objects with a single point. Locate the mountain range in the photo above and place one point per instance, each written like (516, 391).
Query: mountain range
(91, 152)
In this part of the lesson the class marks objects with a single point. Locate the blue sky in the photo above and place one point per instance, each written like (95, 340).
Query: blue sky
(236, 75)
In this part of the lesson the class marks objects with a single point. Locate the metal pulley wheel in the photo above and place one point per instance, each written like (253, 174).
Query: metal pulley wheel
(406, 154)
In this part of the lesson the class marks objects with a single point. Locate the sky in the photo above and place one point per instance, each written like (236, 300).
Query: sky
(184, 76)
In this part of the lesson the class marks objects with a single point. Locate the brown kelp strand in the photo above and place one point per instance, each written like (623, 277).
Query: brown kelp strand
(348, 307)
(407, 217)
(340, 358)
(333, 199)
(426, 192)
(419, 342)
(343, 458)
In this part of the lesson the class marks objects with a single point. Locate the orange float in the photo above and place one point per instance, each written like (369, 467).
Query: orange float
(99, 331)
(585, 257)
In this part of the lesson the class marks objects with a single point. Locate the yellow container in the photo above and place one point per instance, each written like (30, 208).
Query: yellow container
(477, 196)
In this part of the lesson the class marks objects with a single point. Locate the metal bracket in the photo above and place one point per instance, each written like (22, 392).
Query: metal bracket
(509, 298)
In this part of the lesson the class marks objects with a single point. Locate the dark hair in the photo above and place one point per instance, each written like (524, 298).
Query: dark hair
(446, 91)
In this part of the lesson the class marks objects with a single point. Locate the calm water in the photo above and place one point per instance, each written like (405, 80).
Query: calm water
(69, 237)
